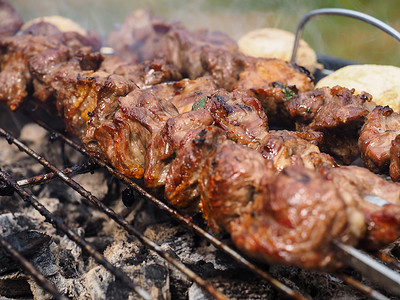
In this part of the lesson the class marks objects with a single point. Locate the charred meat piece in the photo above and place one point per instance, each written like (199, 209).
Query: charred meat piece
(394, 167)
(286, 148)
(230, 182)
(240, 116)
(186, 94)
(375, 142)
(144, 37)
(148, 73)
(10, 21)
(124, 139)
(76, 87)
(163, 147)
(295, 221)
(71, 39)
(182, 181)
(15, 77)
(336, 112)
(274, 82)
(382, 221)
(198, 53)
(136, 40)
(16, 53)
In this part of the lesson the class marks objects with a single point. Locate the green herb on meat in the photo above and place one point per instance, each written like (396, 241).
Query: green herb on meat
(199, 103)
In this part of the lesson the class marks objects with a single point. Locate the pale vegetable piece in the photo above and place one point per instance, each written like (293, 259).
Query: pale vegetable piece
(382, 82)
(277, 43)
(62, 23)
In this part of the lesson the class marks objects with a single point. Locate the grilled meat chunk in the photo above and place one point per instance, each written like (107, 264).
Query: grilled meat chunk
(186, 94)
(71, 39)
(240, 116)
(295, 221)
(273, 82)
(124, 139)
(394, 167)
(285, 148)
(144, 37)
(336, 112)
(10, 21)
(16, 53)
(148, 73)
(182, 181)
(375, 141)
(163, 147)
(230, 182)
(15, 78)
(382, 221)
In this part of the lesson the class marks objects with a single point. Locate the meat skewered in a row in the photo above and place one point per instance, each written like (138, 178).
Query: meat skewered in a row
(204, 147)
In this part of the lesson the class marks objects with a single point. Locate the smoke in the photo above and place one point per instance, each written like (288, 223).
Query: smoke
(337, 36)
(234, 17)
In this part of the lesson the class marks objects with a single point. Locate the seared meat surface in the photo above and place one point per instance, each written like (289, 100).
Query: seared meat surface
(230, 182)
(15, 77)
(382, 221)
(10, 21)
(295, 221)
(124, 139)
(240, 116)
(394, 167)
(376, 138)
(336, 112)
(163, 147)
(186, 94)
(286, 148)
(182, 182)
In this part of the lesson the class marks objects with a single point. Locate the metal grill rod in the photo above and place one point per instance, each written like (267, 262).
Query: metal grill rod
(362, 287)
(79, 169)
(29, 268)
(72, 234)
(118, 219)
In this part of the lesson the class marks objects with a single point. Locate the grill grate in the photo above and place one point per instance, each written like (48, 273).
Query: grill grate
(66, 176)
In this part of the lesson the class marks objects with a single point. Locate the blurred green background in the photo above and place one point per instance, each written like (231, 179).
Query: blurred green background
(333, 35)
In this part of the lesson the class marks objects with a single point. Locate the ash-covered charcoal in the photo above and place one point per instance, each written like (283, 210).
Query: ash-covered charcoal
(146, 268)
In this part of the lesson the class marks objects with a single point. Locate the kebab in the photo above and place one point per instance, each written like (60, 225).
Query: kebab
(148, 113)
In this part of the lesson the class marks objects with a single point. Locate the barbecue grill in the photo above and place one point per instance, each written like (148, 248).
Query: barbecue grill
(272, 281)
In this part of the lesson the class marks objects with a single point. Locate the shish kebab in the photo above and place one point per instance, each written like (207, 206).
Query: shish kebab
(100, 103)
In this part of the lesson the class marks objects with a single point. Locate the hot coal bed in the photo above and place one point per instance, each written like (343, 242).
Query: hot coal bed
(75, 273)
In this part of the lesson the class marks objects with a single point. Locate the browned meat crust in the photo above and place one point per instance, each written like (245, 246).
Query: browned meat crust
(383, 222)
(10, 21)
(394, 167)
(182, 181)
(377, 138)
(229, 182)
(336, 112)
(164, 145)
(295, 221)
(285, 148)
(240, 116)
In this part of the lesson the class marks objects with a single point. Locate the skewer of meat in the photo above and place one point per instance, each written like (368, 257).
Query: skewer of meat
(105, 108)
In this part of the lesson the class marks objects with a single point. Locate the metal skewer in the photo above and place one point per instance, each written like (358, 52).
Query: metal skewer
(370, 268)
(340, 12)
